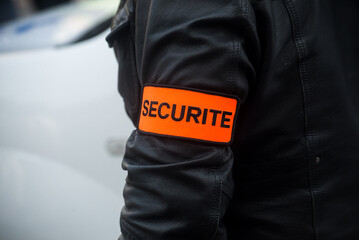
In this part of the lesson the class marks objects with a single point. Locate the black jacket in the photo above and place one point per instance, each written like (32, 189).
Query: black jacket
(292, 171)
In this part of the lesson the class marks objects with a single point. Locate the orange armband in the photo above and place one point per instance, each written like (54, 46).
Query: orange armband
(188, 113)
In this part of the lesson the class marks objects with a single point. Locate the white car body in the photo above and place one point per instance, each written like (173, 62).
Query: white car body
(62, 133)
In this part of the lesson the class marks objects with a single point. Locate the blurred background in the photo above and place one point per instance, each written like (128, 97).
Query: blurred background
(63, 126)
(12, 9)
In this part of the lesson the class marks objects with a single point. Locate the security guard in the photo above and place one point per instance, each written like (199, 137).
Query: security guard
(247, 117)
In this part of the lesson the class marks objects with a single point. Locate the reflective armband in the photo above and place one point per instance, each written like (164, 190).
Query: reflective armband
(188, 113)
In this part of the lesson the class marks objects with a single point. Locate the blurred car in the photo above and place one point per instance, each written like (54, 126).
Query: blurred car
(63, 126)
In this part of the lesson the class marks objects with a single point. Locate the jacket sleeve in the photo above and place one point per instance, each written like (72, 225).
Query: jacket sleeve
(178, 188)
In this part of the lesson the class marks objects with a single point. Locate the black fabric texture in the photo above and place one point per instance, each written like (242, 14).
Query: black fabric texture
(292, 170)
